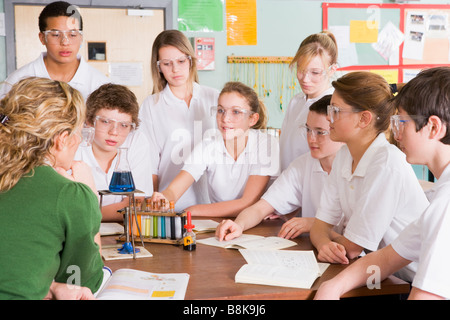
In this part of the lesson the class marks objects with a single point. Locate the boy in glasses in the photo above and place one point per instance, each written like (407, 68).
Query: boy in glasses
(299, 186)
(61, 32)
(421, 129)
(113, 111)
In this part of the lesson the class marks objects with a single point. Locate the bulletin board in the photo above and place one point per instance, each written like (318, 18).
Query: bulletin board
(394, 40)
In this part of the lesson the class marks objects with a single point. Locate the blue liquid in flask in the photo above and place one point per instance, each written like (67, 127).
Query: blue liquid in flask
(122, 182)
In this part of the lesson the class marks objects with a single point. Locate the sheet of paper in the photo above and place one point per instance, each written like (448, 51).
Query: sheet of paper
(389, 40)
(242, 239)
(391, 76)
(204, 225)
(363, 31)
(110, 228)
(414, 35)
(126, 73)
(241, 22)
(342, 35)
(282, 258)
(200, 15)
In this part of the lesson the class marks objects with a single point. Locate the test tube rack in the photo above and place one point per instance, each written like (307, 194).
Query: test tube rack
(150, 226)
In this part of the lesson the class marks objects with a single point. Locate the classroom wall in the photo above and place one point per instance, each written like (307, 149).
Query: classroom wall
(282, 24)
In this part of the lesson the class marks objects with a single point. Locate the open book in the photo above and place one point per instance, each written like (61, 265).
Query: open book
(248, 241)
(129, 284)
(204, 226)
(284, 268)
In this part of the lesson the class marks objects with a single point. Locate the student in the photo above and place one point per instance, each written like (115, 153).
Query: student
(371, 189)
(113, 111)
(315, 61)
(61, 32)
(422, 131)
(177, 114)
(49, 219)
(299, 186)
(238, 160)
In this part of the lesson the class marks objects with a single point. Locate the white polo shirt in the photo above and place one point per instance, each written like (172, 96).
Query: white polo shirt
(293, 142)
(378, 200)
(426, 240)
(86, 80)
(300, 185)
(226, 177)
(173, 129)
(138, 159)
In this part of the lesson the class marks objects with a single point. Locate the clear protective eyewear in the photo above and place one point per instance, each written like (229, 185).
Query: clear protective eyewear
(87, 136)
(57, 36)
(315, 74)
(333, 112)
(105, 125)
(315, 133)
(235, 113)
(182, 62)
(398, 123)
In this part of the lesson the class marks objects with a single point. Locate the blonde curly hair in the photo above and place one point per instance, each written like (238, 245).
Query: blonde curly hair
(38, 110)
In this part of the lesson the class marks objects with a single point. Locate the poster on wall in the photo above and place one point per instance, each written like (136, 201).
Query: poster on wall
(204, 52)
(200, 15)
(241, 22)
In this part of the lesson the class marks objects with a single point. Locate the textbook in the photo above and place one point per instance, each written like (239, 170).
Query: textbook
(283, 268)
(110, 228)
(202, 226)
(129, 284)
(248, 241)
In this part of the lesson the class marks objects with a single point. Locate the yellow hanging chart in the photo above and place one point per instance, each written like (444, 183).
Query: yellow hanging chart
(241, 22)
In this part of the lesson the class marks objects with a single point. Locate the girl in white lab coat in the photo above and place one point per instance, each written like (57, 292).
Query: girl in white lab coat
(371, 189)
(237, 159)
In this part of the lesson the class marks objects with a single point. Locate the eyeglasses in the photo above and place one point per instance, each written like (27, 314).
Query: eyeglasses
(398, 123)
(315, 74)
(182, 62)
(236, 114)
(315, 133)
(56, 36)
(334, 111)
(105, 125)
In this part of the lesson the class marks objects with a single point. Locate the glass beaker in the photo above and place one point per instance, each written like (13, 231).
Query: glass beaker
(122, 179)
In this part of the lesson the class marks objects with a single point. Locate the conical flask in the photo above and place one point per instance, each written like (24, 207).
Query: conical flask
(122, 179)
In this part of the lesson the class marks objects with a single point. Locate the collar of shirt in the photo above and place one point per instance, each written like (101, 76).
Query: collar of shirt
(79, 77)
(442, 181)
(330, 90)
(365, 161)
(171, 99)
(82, 72)
(250, 148)
(317, 167)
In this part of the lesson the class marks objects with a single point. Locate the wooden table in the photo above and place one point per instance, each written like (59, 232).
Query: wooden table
(212, 270)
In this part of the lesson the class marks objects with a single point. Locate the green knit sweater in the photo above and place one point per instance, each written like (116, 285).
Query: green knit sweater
(47, 229)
